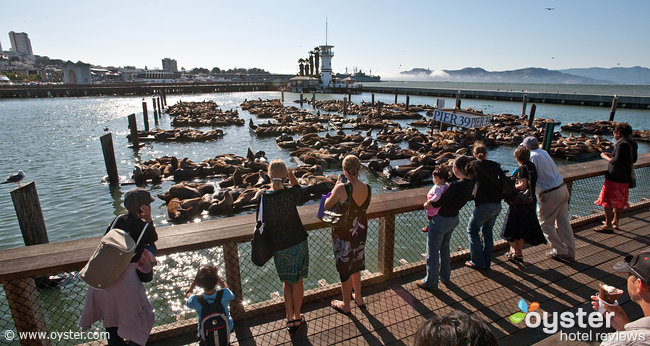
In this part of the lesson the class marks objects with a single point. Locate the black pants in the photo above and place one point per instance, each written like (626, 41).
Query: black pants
(116, 340)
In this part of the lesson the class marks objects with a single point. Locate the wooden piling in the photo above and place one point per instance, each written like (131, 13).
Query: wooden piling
(523, 108)
(373, 99)
(395, 96)
(345, 105)
(407, 102)
(109, 157)
(531, 117)
(145, 117)
(160, 109)
(301, 101)
(313, 100)
(613, 110)
(282, 95)
(29, 213)
(164, 96)
(25, 306)
(457, 100)
(134, 131)
(155, 113)
(549, 128)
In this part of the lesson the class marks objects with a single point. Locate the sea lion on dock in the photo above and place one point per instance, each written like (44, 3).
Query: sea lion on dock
(183, 191)
(222, 206)
(248, 197)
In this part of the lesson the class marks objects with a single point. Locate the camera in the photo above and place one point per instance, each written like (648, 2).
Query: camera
(342, 178)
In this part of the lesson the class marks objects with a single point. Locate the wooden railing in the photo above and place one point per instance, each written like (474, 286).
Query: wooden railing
(19, 265)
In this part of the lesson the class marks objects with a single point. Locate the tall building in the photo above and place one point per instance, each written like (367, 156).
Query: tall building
(20, 43)
(169, 65)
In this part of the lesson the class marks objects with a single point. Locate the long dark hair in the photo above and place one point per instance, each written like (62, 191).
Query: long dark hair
(455, 328)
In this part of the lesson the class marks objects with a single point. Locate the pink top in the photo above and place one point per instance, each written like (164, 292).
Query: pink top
(433, 195)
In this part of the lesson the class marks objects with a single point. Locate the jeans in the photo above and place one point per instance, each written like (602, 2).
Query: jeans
(438, 255)
(483, 219)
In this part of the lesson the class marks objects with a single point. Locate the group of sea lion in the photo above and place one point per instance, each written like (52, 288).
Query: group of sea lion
(245, 178)
(603, 127)
(178, 135)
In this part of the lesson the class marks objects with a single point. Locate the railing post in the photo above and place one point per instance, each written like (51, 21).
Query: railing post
(569, 186)
(233, 278)
(386, 245)
(26, 310)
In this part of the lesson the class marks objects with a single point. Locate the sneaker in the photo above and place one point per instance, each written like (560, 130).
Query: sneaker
(421, 285)
(425, 229)
(554, 255)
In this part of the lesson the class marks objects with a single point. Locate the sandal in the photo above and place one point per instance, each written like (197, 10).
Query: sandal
(519, 258)
(293, 329)
(335, 305)
(469, 264)
(604, 229)
(510, 256)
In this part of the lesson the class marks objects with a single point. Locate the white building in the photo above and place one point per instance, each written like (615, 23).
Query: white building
(21, 44)
(326, 55)
(169, 65)
(76, 73)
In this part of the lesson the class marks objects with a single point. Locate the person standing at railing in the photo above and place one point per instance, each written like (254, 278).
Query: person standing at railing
(487, 201)
(285, 233)
(552, 203)
(614, 195)
(349, 242)
(442, 225)
(124, 306)
(521, 223)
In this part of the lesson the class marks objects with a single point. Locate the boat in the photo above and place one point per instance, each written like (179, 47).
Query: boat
(359, 77)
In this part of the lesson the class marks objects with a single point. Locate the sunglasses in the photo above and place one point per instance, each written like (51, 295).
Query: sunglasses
(632, 270)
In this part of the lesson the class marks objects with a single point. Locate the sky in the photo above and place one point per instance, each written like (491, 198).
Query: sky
(384, 37)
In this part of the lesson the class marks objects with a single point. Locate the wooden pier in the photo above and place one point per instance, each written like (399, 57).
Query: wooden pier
(634, 102)
(396, 307)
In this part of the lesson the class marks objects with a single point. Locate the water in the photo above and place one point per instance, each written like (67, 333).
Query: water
(56, 142)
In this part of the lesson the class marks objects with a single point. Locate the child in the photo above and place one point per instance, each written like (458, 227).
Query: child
(206, 306)
(440, 177)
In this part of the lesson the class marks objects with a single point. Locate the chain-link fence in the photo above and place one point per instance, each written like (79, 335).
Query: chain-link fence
(58, 309)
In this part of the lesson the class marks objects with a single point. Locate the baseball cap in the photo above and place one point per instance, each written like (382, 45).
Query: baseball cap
(136, 198)
(530, 142)
(638, 265)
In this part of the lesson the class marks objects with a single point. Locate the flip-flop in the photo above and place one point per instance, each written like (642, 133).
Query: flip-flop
(604, 229)
(361, 306)
(334, 305)
(613, 226)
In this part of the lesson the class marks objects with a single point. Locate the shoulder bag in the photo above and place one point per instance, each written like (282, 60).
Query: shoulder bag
(338, 218)
(261, 252)
(111, 257)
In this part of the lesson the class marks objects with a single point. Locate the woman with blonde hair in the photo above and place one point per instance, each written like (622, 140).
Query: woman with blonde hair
(284, 231)
(349, 239)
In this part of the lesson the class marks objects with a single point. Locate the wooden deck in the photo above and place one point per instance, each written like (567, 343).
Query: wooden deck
(396, 308)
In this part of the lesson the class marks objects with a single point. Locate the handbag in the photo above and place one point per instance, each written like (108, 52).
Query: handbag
(339, 217)
(521, 198)
(261, 252)
(145, 264)
(111, 257)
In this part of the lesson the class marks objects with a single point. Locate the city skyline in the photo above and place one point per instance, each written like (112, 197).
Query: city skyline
(381, 36)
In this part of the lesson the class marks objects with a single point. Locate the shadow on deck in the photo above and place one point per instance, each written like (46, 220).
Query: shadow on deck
(395, 309)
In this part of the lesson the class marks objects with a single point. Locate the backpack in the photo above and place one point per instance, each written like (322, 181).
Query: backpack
(213, 322)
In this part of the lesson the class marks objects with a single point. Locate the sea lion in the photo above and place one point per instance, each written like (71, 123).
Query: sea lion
(174, 208)
(183, 191)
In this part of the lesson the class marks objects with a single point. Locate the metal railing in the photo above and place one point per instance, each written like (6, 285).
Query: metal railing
(394, 247)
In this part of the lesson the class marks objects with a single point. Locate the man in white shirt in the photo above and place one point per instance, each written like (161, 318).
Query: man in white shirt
(636, 332)
(553, 203)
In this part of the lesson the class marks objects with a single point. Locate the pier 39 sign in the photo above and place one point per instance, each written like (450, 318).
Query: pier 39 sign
(461, 119)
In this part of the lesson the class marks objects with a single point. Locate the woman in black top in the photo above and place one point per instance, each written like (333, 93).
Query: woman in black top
(521, 222)
(284, 231)
(442, 225)
(614, 195)
(349, 241)
(487, 201)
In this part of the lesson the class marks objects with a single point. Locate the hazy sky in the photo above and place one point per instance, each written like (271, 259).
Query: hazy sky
(383, 36)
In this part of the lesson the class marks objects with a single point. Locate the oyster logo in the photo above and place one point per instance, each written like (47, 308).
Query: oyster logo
(517, 317)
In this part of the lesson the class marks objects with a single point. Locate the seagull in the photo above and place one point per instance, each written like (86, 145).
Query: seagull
(550, 8)
(15, 178)
(105, 129)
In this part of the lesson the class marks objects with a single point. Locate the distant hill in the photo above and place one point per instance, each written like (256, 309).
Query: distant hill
(618, 75)
(526, 75)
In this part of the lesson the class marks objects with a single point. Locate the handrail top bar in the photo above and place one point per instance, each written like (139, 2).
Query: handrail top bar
(72, 255)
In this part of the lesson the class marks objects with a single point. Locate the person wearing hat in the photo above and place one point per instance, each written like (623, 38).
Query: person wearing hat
(635, 332)
(553, 203)
(124, 306)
